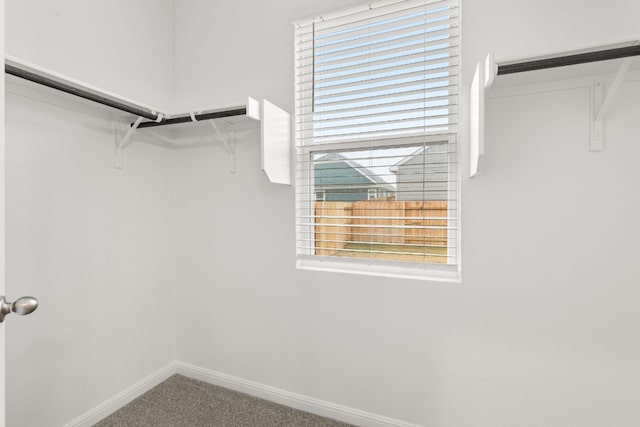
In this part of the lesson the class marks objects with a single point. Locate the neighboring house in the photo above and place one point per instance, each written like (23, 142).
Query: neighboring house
(423, 175)
(339, 179)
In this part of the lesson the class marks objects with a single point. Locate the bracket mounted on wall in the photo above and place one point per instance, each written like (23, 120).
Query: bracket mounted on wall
(221, 121)
(486, 75)
(124, 142)
(602, 103)
(275, 134)
(228, 139)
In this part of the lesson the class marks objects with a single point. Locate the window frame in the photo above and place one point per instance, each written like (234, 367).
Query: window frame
(399, 269)
(308, 260)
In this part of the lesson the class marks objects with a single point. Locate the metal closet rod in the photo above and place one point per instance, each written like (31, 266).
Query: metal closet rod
(155, 117)
(82, 93)
(561, 61)
(198, 117)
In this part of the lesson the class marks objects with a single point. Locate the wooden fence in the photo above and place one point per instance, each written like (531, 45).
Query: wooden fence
(379, 221)
(332, 226)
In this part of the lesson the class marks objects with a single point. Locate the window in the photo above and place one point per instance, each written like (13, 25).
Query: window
(376, 135)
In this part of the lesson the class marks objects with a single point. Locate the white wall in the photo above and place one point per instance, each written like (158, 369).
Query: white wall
(92, 243)
(121, 46)
(239, 50)
(540, 332)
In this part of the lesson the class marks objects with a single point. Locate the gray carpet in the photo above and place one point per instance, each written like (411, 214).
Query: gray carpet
(184, 402)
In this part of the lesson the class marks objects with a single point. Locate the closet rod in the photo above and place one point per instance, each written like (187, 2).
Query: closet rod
(198, 117)
(77, 91)
(561, 61)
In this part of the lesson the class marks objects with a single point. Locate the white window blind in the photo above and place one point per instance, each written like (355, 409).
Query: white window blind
(376, 125)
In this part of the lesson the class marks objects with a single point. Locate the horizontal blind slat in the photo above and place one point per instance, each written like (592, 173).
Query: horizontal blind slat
(427, 95)
(391, 66)
(309, 56)
(406, 76)
(408, 99)
(357, 242)
(370, 34)
(416, 57)
(386, 124)
(395, 227)
(451, 109)
(399, 254)
(373, 13)
(402, 19)
(401, 46)
(426, 31)
(376, 16)
(407, 131)
(412, 80)
(422, 218)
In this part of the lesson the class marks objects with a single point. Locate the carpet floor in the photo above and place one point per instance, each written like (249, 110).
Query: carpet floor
(183, 402)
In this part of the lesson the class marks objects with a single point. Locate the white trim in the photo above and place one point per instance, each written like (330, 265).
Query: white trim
(381, 268)
(111, 405)
(293, 400)
(347, 14)
(364, 7)
(263, 391)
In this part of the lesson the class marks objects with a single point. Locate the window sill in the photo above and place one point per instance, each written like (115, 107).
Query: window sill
(450, 274)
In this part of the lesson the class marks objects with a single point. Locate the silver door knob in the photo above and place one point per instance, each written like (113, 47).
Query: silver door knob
(24, 305)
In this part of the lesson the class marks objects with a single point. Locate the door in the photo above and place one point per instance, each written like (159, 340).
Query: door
(23, 305)
(2, 398)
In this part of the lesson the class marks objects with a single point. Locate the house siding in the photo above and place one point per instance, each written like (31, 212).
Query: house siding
(424, 176)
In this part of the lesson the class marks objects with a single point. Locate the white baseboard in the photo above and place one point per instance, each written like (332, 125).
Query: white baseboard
(293, 400)
(119, 400)
(273, 394)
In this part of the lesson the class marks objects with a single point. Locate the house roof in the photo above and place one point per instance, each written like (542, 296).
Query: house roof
(364, 171)
(418, 152)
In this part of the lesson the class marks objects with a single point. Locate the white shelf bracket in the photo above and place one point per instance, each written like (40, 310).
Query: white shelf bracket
(124, 142)
(228, 138)
(275, 130)
(483, 78)
(602, 104)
